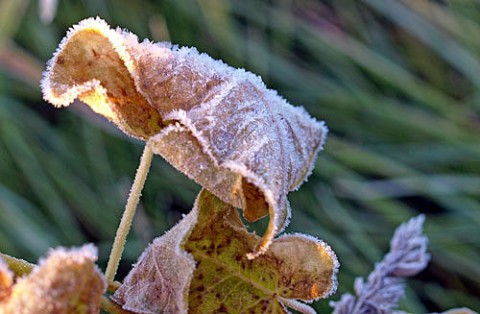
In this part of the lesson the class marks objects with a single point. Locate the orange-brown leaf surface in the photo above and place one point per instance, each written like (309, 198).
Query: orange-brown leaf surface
(222, 279)
(6, 280)
(220, 126)
(66, 282)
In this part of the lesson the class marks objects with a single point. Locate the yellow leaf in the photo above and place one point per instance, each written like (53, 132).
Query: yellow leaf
(220, 126)
(296, 267)
(66, 282)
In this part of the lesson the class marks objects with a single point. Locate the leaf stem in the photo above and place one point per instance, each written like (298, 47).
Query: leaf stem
(126, 222)
(113, 286)
(111, 307)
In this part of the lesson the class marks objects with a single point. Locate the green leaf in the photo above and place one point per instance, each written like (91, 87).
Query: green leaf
(220, 277)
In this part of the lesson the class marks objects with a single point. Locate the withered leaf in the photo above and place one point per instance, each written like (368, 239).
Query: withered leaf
(160, 280)
(296, 267)
(220, 126)
(66, 282)
(6, 280)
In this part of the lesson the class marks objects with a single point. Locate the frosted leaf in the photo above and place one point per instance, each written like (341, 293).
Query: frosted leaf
(6, 280)
(222, 279)
(385, 285)
(220, 126)
(67, 281)
(159, 281)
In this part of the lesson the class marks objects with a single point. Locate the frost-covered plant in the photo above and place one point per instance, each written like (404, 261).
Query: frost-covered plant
(385, 285)
(224, 129)
(245, 145)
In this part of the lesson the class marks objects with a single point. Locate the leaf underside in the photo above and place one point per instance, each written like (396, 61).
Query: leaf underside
(219, 125)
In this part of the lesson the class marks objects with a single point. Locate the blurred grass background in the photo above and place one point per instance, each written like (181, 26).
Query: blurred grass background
(397, 82)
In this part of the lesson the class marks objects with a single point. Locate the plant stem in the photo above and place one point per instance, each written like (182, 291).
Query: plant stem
(111, 307)
(126, 222)
(113, 286)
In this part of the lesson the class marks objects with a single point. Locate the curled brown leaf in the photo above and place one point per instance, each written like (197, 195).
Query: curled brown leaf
(220, 126)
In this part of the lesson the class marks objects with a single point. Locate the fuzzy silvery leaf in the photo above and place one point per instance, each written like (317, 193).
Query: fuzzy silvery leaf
(219, 125)
(385, 284)
(408, 249)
